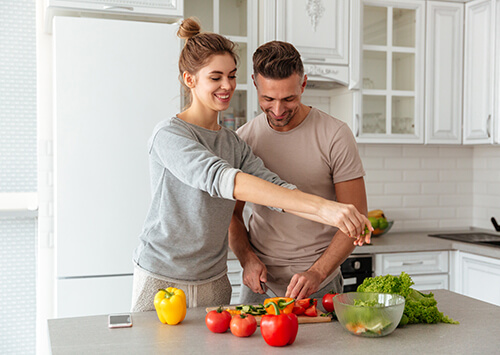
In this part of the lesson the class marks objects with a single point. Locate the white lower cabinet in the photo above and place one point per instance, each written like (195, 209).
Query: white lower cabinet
(234, 270)
(478, 277)
(429, 270)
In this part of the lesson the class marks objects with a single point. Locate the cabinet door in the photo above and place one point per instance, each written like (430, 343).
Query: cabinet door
(235, 19)
(391, 101)
(413, 263)
(479, 277)
(430, 282)
(318, 29)
(478, 69)
(444, 66)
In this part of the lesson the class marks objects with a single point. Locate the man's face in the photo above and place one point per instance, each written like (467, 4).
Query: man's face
(280, 100)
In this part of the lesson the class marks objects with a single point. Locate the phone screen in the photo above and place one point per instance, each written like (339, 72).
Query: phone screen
(119, 320)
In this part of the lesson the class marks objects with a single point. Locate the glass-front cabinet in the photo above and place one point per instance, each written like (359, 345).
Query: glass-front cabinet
(389, 106)
(235, 19)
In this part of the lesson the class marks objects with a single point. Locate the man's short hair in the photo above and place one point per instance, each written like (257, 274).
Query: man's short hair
(277, 60)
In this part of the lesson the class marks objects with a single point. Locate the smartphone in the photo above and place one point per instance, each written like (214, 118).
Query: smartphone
(119, 320)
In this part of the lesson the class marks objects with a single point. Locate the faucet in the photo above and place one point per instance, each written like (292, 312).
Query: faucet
(495, 224)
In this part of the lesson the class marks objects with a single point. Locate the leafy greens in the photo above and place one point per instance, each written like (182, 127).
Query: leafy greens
(419, 307)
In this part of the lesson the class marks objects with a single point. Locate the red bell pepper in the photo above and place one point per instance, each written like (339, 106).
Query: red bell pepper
(279, 329)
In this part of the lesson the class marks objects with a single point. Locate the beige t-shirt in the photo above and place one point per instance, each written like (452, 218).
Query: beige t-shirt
(315, 155)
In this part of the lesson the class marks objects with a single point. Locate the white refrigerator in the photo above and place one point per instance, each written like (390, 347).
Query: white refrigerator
(113, 81)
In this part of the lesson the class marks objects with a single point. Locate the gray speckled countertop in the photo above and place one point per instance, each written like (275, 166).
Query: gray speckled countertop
(399, 242)
(474, 335)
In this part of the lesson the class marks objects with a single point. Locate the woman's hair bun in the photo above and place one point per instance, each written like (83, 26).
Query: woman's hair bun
(189, 28)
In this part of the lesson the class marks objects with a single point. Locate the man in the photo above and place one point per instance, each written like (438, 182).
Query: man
(295, 257)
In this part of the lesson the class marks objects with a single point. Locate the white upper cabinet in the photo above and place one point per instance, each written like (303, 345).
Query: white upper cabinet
(236, 20)
(319, 29)
(389, 108)
(478, 71)
(148, 10)
(443, 72)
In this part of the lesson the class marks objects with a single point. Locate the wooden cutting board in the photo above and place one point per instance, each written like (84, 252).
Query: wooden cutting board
(302, 319)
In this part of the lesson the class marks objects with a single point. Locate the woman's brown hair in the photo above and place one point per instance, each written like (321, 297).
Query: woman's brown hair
(200, 47)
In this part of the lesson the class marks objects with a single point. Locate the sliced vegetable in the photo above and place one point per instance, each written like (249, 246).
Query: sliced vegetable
(300, 306)
(279, 329)
(311, 311)
(256, 310)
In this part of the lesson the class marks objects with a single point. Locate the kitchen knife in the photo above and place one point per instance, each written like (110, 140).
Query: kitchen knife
(267, 290)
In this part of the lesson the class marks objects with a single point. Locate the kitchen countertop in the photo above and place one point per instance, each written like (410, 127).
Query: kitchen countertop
(400, 242)
(90, 335)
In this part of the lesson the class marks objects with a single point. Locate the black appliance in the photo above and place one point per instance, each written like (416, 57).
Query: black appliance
(355, 269)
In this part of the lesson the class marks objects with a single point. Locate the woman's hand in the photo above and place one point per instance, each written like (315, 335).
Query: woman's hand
(348, 219)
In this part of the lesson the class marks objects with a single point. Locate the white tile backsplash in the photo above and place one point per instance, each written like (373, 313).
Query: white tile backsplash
(486, 187)
(430, 187)
(420, 187)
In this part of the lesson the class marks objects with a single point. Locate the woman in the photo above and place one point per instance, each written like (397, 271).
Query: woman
(198, 170)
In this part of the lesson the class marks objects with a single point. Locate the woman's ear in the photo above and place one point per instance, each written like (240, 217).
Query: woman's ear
(189, 79)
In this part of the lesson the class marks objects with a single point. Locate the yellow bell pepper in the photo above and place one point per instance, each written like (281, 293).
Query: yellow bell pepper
(170, 304)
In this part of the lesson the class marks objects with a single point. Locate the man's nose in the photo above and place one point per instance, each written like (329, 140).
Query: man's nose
(278, 108)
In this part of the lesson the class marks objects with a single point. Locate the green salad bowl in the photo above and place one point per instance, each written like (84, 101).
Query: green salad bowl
(369, 314)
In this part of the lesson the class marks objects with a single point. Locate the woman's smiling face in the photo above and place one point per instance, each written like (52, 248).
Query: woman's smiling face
(214, 84)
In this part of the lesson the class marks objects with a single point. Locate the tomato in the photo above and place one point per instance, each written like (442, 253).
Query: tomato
(328, 301)
(218, 320)
(243, 325)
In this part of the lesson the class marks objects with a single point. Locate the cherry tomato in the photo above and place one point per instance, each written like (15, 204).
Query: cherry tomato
(328, 301)
(218, 320)
(243, 325)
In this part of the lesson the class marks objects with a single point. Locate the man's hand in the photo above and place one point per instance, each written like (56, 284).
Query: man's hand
(254, 271)
(303, 285)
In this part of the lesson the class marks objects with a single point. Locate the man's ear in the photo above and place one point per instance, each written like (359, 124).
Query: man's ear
(304, 83)
(189, 79)
(253, 79)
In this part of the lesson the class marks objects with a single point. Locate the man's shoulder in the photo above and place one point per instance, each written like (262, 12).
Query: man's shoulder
(325, 118)
(251, 126)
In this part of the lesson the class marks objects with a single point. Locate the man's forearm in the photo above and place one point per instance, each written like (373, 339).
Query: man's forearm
(338, 250)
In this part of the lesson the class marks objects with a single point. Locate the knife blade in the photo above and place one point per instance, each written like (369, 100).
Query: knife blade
(268, 290)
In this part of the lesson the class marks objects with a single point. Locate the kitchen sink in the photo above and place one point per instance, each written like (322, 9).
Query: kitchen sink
(472, 237)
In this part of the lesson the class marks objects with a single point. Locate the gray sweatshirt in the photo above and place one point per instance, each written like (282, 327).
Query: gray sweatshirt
(192, 181)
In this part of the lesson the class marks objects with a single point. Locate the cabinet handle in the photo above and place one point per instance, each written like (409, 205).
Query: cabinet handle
(357, 125)
(129, 8)
(412, 263)
(488, 124)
